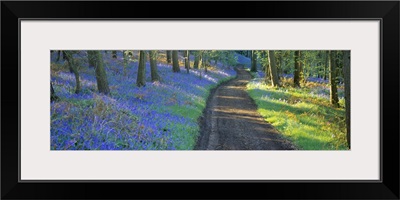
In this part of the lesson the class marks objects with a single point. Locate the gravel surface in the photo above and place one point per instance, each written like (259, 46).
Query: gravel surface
(231, 121)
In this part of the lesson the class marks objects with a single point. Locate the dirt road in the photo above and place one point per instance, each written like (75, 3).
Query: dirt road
(231, 121)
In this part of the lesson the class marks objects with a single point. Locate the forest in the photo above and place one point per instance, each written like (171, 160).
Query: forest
(200, 99)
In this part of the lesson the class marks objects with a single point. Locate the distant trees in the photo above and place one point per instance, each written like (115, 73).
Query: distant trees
(273, 70)
(141, 81)
(332, 79)
(175, 61)
(346, 75)
(114, 54)
(153, 66)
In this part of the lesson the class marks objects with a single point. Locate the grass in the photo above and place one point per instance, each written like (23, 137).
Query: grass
(303, 115)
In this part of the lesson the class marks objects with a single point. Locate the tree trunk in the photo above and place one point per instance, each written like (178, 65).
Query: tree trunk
(326, 64)
(253, 61)
(114, 54)
(197, 59)
(64, 56)
(124, 54)
(274, 72)
(140, 81)
(91, 59)
(73, 68)
(204, 60)
(53, 96)
(101, 76)
(204, 64)
(153, 66)
(168, 56)
(58, 56)
(346, 75)
(175, 61)
(187, 61)
(298, 69)
(332, 79)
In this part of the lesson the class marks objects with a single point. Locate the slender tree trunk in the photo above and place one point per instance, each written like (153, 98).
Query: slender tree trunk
(64, 56)
(266, 69)
(141, 81)
(298, 69)
(204, 61)
(187, 61)
(205, 65)
(197, 59)
(332, 79)
(168, 56)
(326, 64)
(153, 66)
(278, 65)
(101, 76)
(175, 61)
(91, 59)
(73, 68)
(124, 54)
(58, 56)
(274, 72)
(346, 75)
(253, 61)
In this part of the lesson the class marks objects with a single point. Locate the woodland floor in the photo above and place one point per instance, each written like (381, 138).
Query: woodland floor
(231, 121)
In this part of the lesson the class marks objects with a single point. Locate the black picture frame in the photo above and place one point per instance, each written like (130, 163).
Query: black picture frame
(386, 11)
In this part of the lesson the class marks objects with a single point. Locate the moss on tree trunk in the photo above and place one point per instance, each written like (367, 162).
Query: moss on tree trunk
(197, 59)
(140, 81)
(101, 76)
(168, 56)
(153, 66)
(332, 79)
(274, 72)
(253, 61)
(346, 75)
(74, 69)
(298, 69)
(175, 61)
(187, 61)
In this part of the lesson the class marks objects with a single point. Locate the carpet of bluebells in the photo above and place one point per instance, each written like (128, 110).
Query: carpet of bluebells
(315, 87)
(160, 116)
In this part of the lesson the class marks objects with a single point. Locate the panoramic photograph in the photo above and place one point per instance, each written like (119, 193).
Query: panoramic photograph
(200, 99)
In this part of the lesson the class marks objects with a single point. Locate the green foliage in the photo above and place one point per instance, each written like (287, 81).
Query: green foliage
(301, 115)
(227, 58)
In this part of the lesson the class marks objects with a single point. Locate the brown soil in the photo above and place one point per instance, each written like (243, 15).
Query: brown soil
(231, 121)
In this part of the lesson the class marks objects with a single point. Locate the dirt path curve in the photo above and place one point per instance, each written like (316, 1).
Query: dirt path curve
(231, 121)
